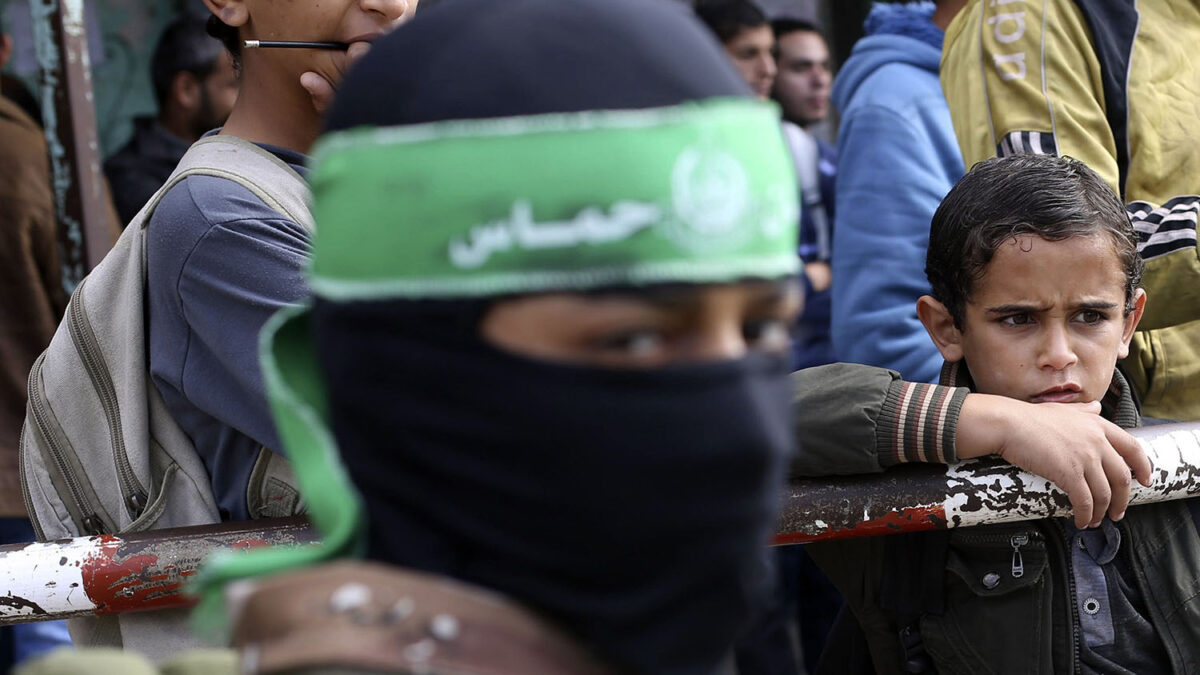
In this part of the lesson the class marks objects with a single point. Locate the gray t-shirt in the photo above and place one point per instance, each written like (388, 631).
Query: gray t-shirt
(220, 263)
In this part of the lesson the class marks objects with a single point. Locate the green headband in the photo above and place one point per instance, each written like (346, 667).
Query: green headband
(701, 192)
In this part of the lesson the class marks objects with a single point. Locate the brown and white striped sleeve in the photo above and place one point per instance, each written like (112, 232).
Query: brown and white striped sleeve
(918, 422)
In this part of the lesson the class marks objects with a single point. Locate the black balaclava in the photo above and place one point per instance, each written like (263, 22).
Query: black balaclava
(633, 507)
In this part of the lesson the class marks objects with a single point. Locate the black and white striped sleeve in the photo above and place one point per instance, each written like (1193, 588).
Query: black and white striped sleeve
(1027, 143)
(1167, 228)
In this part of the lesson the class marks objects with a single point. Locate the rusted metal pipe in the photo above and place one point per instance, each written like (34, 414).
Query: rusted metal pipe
(111, 574)
(69, 118)
(975, 492)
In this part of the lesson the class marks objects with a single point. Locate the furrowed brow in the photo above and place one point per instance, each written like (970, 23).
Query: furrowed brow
(1097, 304)
(1012, 309)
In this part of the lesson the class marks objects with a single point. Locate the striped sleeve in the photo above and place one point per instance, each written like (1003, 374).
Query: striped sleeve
(1027, 143)
(918, 422)
(1167, 242)
(1167, 228)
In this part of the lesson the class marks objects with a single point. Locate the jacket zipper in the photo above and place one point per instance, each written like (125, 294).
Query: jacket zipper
(1000, 538)
(93, 361)
(1018, 563)
(91, 521)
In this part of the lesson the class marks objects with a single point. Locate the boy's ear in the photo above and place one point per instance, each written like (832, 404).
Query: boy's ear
(230, 12)
(940, 326)
(1131, 321)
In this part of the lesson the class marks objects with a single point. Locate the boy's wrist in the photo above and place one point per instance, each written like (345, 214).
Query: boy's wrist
(981, 423)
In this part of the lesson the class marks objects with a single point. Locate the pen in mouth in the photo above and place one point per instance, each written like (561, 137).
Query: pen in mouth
(293, 44)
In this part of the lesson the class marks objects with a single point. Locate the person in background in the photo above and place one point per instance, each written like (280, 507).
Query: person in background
(802, 91)
(897, 158)
(195, 86)
(804, 76)
(743, 30)
(32, 300)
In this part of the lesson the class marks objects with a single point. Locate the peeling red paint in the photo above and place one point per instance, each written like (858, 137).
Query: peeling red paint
(118, 584)
(905, 520)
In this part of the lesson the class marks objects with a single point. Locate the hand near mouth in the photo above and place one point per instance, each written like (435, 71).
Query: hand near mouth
(321, 86)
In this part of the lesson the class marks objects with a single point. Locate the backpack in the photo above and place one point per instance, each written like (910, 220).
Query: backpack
(99, 452)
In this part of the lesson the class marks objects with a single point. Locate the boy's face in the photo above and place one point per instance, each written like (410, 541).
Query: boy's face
(1046, 323)
(753, 53)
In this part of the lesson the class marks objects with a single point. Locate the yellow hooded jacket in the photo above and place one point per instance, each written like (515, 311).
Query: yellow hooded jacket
(1111, 83)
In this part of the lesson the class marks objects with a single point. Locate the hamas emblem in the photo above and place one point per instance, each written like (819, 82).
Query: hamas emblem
(710, 193)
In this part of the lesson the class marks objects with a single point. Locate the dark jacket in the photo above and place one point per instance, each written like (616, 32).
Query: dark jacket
(853, 419)
(31, 292)
(981, 614)
(142, 165)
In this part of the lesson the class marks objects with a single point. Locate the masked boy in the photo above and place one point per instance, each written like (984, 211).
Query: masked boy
(1034, 270)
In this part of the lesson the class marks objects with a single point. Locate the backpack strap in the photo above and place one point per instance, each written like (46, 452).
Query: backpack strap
(262, 173)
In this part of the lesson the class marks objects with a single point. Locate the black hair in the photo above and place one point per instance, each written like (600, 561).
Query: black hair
(727, 18)
(1054, 198)
(228, 35)
(183, 47)
(788, 25)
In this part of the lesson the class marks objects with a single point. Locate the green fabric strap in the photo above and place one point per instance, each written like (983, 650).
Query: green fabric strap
(702, 192)
(297, 400)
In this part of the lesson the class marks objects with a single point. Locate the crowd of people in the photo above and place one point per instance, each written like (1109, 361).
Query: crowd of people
(533, 307)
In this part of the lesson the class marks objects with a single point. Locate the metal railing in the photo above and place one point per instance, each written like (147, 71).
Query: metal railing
(111, 574)
(913, 498)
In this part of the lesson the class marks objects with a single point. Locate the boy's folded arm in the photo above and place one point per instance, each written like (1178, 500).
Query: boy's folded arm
(1071, 445)
(860, 419)
(852, 418)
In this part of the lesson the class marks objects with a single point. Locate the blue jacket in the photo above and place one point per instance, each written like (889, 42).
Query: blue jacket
(897, 158)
